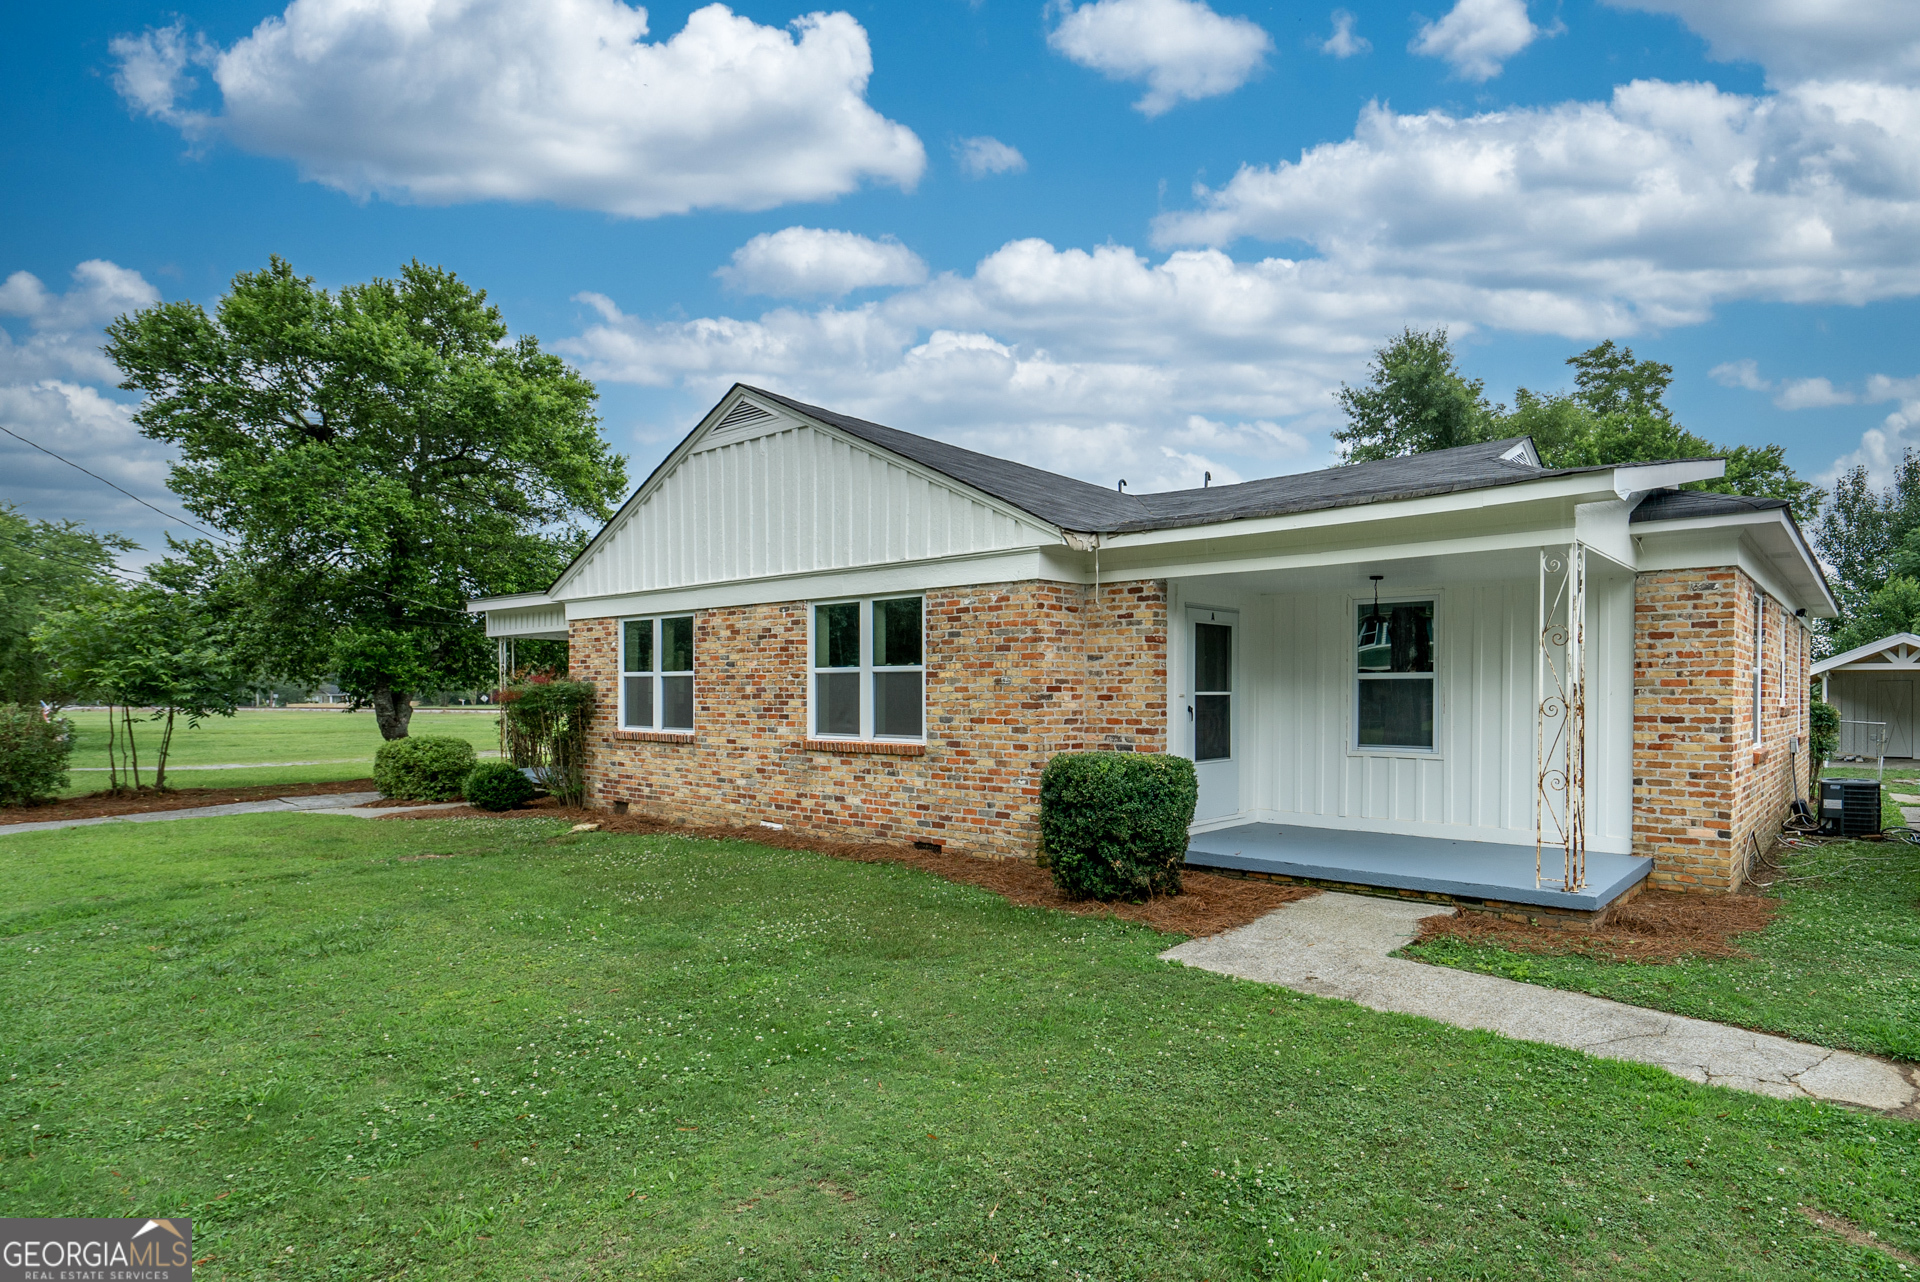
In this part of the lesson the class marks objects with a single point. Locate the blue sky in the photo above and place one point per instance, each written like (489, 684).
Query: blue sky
(1139, 238)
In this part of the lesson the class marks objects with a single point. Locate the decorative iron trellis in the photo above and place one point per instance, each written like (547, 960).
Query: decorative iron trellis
(1560, 717)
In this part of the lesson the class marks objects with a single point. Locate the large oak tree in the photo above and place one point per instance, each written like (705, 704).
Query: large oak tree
(373, 458)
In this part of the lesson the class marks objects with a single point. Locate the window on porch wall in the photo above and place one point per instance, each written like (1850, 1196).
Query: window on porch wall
(1395, 696)
(1759, 657)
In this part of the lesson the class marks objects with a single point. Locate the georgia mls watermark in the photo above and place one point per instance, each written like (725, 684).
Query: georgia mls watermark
(96, 1250)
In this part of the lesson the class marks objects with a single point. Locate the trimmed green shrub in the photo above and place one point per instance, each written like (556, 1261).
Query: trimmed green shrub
(33, 755)
(1113, 825)
(497, 785)
(427, 767)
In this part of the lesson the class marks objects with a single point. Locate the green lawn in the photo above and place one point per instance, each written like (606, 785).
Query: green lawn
(556, 1056)
(342, 742)
(1839, 966)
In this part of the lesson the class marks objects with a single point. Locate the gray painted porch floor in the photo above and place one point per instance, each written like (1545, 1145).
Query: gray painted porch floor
(1436, 865)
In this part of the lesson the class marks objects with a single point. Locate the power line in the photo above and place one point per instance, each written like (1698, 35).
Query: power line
(104, 481)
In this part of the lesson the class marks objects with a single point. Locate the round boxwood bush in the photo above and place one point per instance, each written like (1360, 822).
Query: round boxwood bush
(497, 785)
(427, 767)
(33, 755)
(1113, 825)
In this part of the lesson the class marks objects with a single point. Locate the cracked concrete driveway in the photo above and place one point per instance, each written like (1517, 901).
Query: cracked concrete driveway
(1337, 945)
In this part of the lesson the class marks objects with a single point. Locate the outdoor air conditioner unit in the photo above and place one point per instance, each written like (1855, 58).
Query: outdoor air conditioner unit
(1849, 807)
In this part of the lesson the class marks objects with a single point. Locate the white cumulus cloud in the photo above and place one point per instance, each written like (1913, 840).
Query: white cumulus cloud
(1181, 49)
(1343, 43)
(1882, 448)
(64, 337)
(1645, 210)
(979, 157)
(442, 101)
(1798, 40)
(805, 262)
(1478, 36)
(1099, 363)
(56, 390)
(1788, 394)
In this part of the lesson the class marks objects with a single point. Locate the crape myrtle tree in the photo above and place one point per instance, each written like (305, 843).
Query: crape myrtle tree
(371, 459)
(1416, 400)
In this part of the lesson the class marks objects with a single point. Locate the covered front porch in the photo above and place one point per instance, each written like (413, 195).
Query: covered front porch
(1458, 726)
(1473, 872)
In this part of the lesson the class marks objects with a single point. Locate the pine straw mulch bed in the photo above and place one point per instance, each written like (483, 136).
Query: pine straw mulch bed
(1210, 903)
(100, 805)
(1656, 926)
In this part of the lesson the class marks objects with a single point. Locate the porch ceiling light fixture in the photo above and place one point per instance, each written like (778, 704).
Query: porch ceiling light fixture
(1373, 615)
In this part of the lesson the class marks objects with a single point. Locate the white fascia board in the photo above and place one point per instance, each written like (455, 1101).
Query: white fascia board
(1587, 486)
(1630, 479)
(1772, 550)
(1603, 528)
(1353, 554)
(1832, 662)
(518, 600)
(887, 579)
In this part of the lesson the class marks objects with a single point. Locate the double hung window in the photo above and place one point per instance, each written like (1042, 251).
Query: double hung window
(1759, 657)
(869, 672)
(656, 673)
(1394, 663)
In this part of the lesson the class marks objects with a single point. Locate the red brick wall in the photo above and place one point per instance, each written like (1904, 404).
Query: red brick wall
(1016, 672)
(1701, 789)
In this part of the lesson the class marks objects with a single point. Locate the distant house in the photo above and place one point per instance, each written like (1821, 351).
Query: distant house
(1872, 687)
(1460, 673)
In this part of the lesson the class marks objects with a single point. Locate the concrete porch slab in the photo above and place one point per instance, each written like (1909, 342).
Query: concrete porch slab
(1475, 870)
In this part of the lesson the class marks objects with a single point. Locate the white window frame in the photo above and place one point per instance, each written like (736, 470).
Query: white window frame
(657, 674)
(1759, 663)
(1355, 605)
(867, 669)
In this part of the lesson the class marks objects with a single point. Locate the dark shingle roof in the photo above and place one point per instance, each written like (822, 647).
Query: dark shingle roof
(1078, 505)
(1679, 505)
(1067, 503)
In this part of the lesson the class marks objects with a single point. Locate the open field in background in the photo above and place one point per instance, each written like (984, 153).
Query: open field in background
(342, 742)
(488, 1049)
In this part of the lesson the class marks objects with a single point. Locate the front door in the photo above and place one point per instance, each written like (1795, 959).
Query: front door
(1211, 714)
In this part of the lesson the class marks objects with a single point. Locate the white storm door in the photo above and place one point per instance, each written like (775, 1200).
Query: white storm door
(1212, 714)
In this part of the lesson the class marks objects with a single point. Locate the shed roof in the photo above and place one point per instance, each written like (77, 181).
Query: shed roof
(1899, 640)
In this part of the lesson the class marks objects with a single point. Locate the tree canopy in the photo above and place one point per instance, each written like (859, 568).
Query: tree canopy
(1416, 400)
(371, 458)
(44, 566)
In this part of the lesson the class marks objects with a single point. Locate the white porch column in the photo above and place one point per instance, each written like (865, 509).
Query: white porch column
(1560, 716)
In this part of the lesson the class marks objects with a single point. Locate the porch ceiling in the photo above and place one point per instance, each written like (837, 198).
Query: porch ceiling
(1472, 870)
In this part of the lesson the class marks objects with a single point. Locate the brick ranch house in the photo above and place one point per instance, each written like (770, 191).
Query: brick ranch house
(1458, 674)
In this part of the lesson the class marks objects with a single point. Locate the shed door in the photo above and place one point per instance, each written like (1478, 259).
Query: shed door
(1212, 714)
(1893, 704)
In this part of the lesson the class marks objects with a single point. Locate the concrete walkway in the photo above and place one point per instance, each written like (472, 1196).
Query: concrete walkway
(336, 803)
(1336, 945)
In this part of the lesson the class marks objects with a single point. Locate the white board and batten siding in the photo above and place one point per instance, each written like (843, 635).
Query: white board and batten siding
(780, 498)
(1295, 741)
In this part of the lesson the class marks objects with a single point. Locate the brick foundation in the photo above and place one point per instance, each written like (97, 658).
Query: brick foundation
(1016, 672)
(1704, 795)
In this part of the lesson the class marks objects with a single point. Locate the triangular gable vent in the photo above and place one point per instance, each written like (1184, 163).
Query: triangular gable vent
(745, 414)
